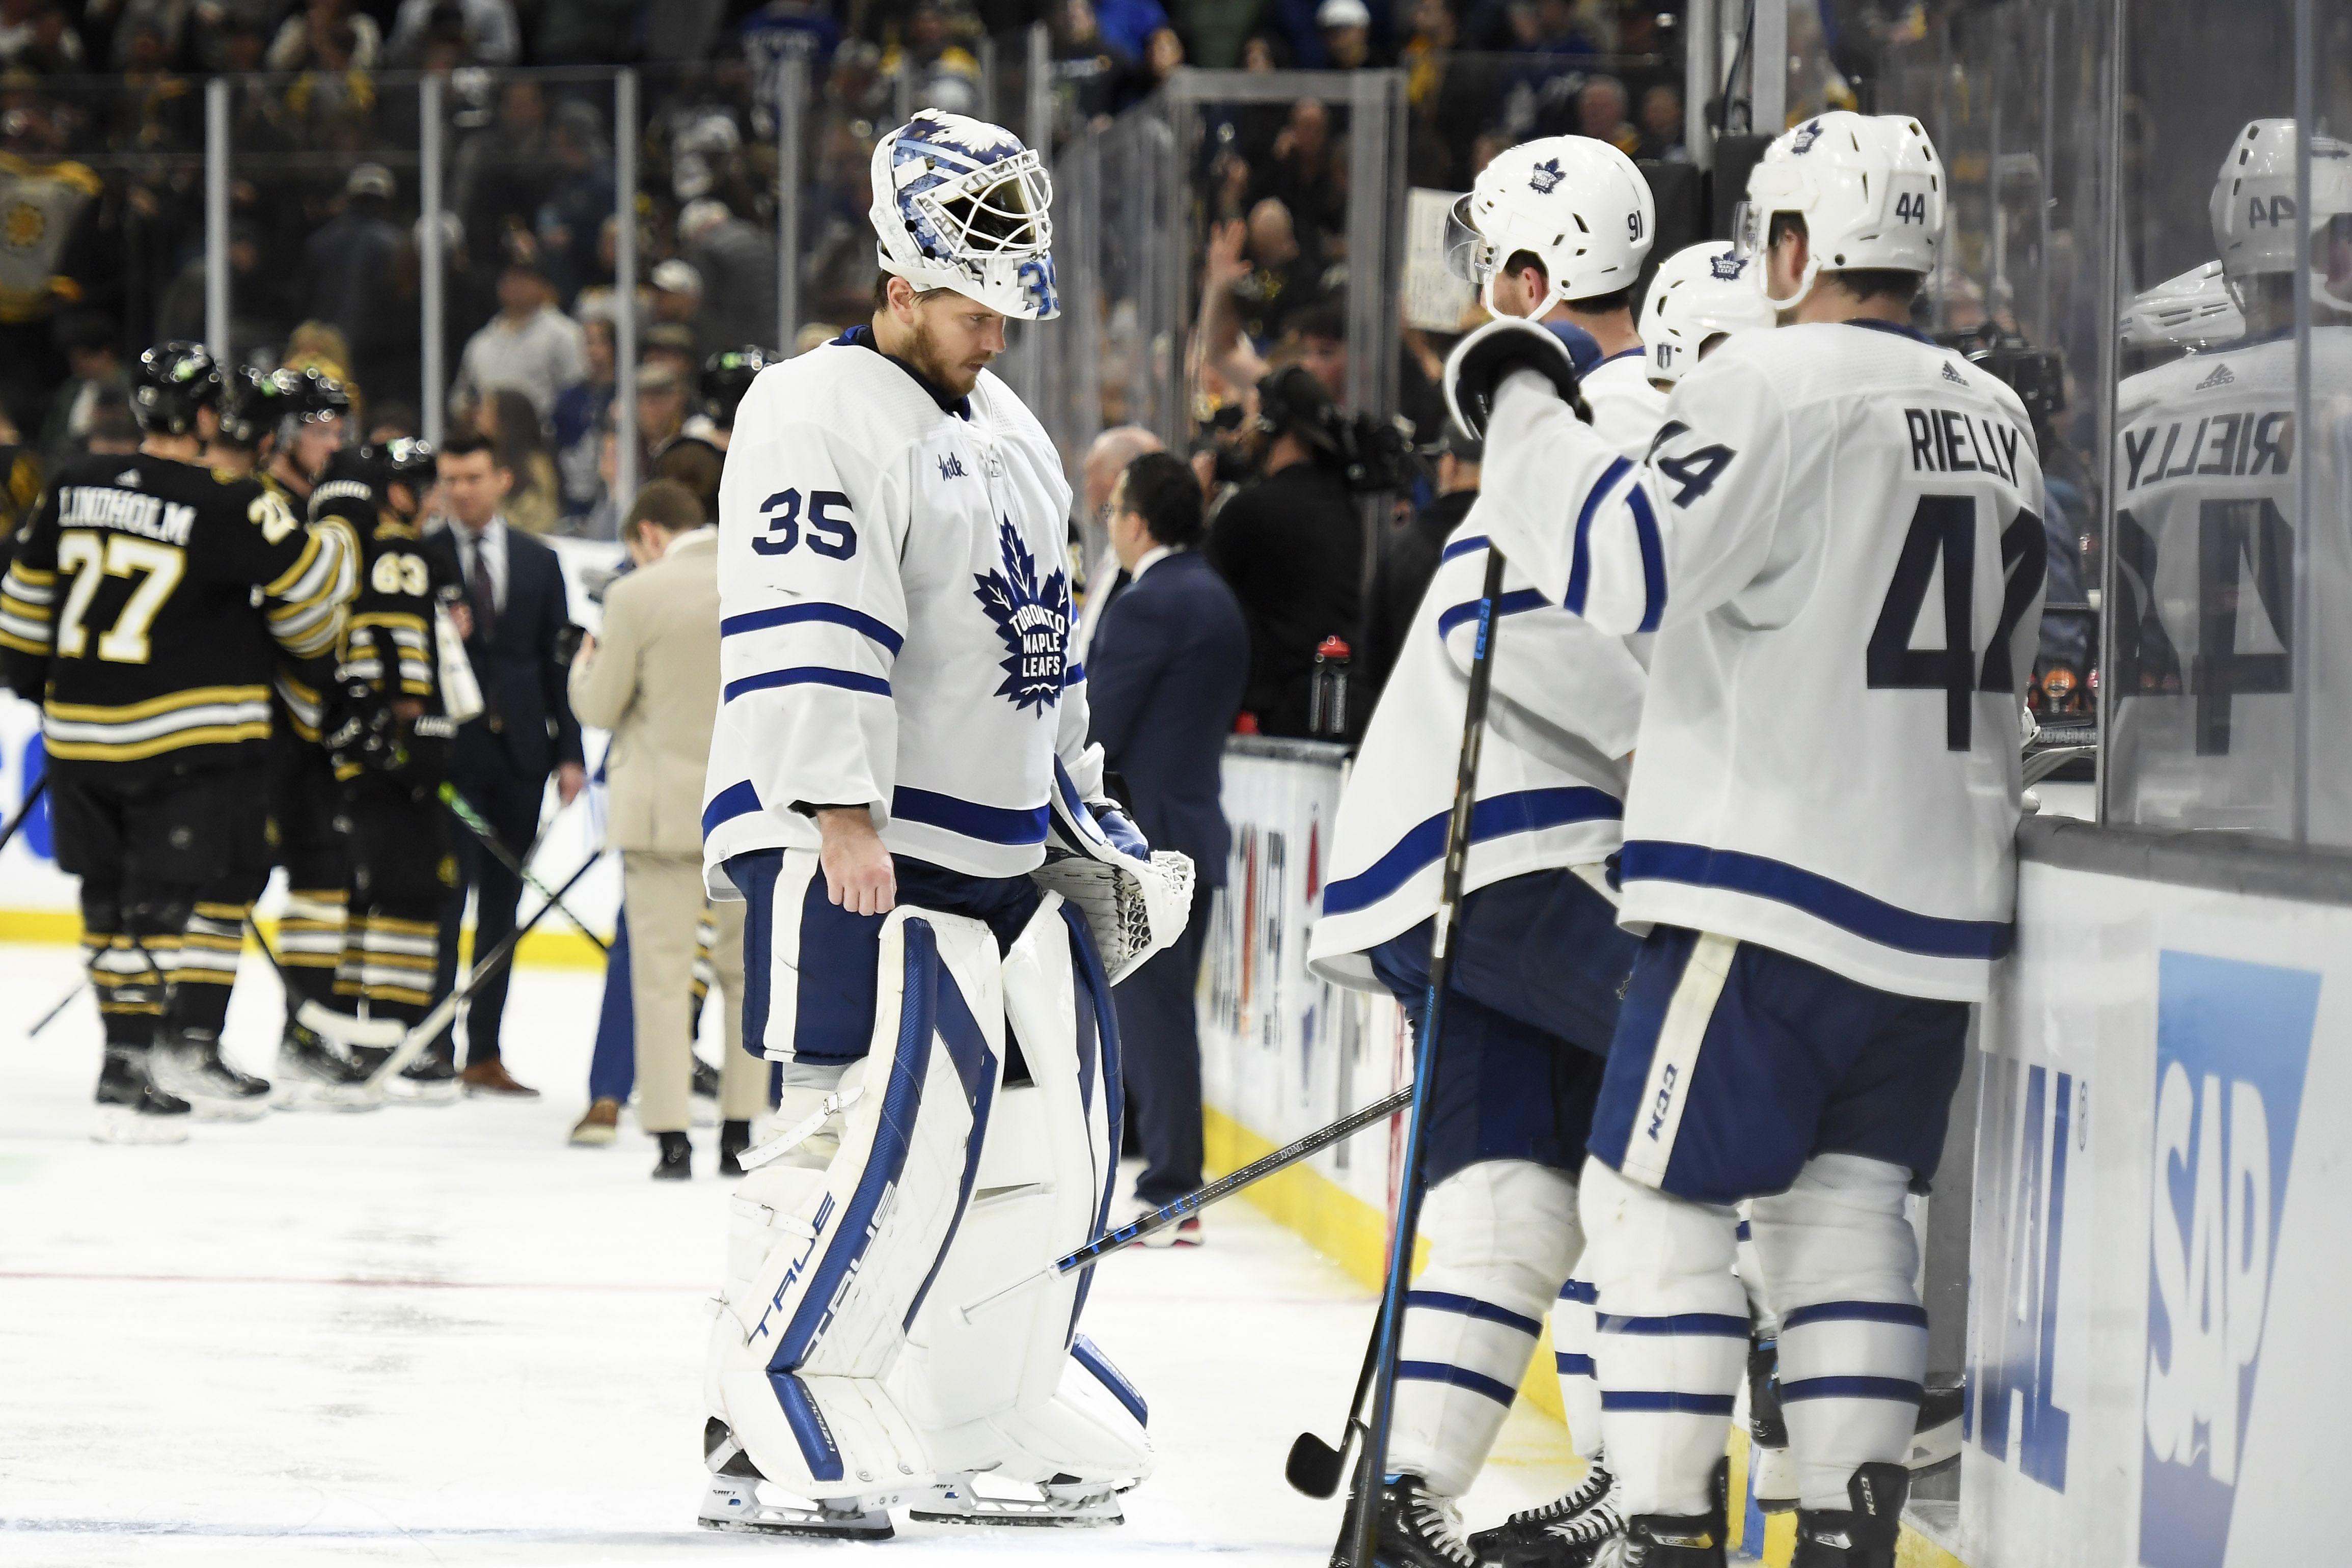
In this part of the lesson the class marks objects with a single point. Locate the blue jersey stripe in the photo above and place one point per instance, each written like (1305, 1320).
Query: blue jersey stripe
(1847, 908)
(1579, 560)
(1654, 557)
(1460, 1377)
(738, 800)
(1516, 604)
(990, 824)
(1522, 812)
(1580, 1290)
(796, 614)
(809, 675)
(1472, 1307)
(1469, 544)
(1573, 1365)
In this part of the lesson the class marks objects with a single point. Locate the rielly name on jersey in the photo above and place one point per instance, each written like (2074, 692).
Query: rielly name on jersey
(1839, 522)
(130, 603)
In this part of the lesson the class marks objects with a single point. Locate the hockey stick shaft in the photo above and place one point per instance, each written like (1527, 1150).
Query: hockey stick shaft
(347, 1029)
(63, 1002)
(1365, 1520)
(474, 823)
(413, 1044)
(32, 799)
(1193, 1202)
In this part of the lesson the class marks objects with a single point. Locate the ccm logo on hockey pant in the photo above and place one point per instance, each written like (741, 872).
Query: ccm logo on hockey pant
(2233, 1042)
(1663, 1100)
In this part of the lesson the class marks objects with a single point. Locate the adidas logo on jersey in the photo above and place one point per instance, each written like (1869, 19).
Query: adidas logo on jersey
(1954, 376)
(2220, 378)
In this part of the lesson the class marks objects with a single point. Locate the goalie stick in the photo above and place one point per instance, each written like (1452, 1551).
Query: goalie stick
(1167, 1214)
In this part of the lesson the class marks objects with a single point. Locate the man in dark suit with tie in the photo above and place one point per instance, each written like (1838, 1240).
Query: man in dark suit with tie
(1165, 673)
(515, 605)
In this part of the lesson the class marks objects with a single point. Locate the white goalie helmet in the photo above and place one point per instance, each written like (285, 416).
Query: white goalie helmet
(961, 203)
(1578, 205)
(1869, 187)
(2253, 210)
(2193, 311)
(1699, 293)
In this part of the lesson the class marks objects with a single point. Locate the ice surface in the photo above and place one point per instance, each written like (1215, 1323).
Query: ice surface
(445, 1336)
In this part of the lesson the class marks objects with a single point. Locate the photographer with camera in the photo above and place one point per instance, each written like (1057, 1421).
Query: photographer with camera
(1291, 545)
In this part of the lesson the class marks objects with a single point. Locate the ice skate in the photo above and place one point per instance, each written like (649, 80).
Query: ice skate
(1583, 1517)
(189, 1064)
(1419, 1529)
(1065, 1502)
(1862, 1536)
(312, 1075)
(131, 1109)
(734, 1502)
(1567, 1533)
(1664, 1541)
(430, 1079)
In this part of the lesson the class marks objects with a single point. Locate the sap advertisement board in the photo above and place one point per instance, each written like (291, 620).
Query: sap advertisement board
(2159, 1261)
(1282, 1052)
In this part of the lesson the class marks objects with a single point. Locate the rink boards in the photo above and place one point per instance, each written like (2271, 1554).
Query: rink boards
(2156, 1244)
(2158, 1259)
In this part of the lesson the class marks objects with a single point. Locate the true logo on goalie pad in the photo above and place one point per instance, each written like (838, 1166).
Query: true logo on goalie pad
(793, 1270)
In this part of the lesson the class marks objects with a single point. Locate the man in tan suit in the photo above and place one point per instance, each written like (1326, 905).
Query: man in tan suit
(653, 680)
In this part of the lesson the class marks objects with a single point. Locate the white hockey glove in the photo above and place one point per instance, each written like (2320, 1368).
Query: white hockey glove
(1134, 899)
(1480, 363)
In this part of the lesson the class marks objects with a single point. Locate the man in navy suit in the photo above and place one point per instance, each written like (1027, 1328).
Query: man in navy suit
(515, 605)
(1165, 673)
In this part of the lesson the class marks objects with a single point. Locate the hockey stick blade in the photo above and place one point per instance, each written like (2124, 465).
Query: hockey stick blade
(345, 1029)
(1315, 1467)
(1193, 1202)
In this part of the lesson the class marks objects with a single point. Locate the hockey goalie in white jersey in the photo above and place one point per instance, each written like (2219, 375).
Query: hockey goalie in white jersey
(1835, 539)
(2210, 484)
(940, 899)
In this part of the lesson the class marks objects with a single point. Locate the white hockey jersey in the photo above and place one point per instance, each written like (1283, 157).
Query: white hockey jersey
(1561, 718)
(895, 601)
(1821, 768)
(1626, 409)
(2201, 702)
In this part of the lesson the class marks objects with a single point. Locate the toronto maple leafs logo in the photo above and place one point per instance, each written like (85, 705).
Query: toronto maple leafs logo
(1807, 135)
(1726, 266)
(1545, 177)
(1033, 619)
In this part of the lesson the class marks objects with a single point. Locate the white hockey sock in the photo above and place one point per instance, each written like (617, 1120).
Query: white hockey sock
(1501, 1235)
(1572, 1337)
(1841, 1259)
(1672, 1341)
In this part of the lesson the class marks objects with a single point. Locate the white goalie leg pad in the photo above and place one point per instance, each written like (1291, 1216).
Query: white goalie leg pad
(1672, 1341)
(1000, 1391)
(830, 1258)
(1841, 1259)
(1503, 1235)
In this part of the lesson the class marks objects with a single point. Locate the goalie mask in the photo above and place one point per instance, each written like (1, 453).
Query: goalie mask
(961, 203)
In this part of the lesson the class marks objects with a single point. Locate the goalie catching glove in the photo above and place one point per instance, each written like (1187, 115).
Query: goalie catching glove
(1481, 363)
(1134, 899)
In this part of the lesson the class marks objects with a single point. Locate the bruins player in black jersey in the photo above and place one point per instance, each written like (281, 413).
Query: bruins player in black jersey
(260, 410)
(132, 609)
(391, 747)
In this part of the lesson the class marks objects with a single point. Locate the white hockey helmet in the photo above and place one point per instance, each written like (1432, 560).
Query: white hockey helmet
(961, 203)
(1699, 293)
(1580, 207)
(2254, 210)
(1869, 187)
(2193, 311)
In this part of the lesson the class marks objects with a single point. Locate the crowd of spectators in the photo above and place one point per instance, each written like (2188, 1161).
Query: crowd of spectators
(102, 143)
